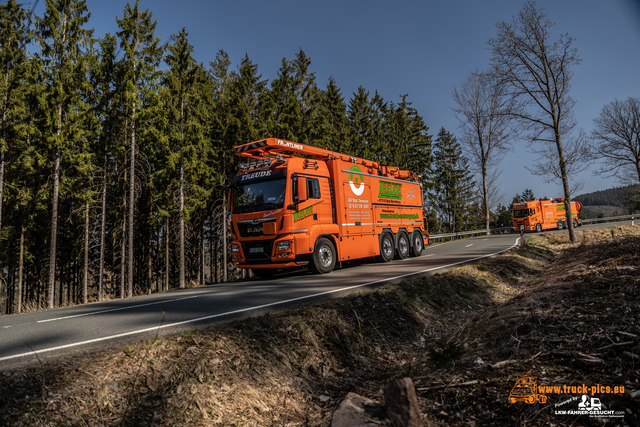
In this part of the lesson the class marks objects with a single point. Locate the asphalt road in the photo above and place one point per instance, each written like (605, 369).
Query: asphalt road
(25, 338)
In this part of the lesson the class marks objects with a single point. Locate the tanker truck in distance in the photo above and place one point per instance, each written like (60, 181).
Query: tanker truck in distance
(297, 205)
(544, 214)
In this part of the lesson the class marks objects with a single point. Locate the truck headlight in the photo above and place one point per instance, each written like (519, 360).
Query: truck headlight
(283, 246)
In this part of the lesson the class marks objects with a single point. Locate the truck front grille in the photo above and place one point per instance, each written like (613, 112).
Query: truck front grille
(257, 252)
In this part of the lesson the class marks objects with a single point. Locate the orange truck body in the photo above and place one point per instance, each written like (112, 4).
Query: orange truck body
(544, 214)
(295, 205)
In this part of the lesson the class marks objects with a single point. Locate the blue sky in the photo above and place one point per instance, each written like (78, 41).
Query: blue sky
(423, 48)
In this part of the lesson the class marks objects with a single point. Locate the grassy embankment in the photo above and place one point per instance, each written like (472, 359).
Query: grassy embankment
(566, 313)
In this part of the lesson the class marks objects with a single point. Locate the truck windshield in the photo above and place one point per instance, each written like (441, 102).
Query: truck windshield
(520, 213)
(254, 195)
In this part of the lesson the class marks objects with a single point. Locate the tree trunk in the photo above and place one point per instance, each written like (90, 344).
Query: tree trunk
(123, 251)
(166, 257)
(20, 266)
(85, 268)
(150, 249)
(1, 187)
(485, 198)
(54, 221)
(565, 186)
(202, 280)
(132, 191)
(103, 217)
(2, 149)
(224, 235)
(181, 219)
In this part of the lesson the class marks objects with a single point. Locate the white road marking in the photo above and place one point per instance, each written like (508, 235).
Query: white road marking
(242, 310)
(429, 255)
(115, 309)
(469, 245)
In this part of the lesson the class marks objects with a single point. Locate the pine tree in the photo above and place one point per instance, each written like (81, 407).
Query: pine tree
(14, 36)
(103, 80)
(527, 195)
(332, 130)
(407, 141)
(364, 123)
(454, 186)
(142, 55)
(187, 105)
(61, 38)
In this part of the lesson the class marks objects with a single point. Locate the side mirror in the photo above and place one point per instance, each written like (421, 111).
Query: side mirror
(302, 190)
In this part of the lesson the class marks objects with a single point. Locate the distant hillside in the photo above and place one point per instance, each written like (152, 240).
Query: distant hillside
(601, 211)
(616, 197)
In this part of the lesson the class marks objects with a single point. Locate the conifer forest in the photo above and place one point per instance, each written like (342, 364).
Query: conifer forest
(115, 153)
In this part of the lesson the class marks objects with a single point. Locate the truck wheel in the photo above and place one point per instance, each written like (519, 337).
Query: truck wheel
(531, 399)
(402, 251)
(538, 228)
(264, 273)
(560, 225)
(386, 248)
(542, 398)
(575, 223)
(324, 257)
(512, 399)
(418, 244)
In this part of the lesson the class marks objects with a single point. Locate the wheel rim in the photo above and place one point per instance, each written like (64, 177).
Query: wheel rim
(417, 243)
(387, 247)
(326, 257)
(403, 245)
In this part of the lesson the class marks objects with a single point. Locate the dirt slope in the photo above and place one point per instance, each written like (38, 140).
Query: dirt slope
(566, 314)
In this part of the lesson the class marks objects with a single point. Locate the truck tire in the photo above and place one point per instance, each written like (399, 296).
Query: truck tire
(538, 228)
(264, 273)
(386, 248)
(402, 249)
(417, 244)
(575, 223)
(323, 259)
(560, 225)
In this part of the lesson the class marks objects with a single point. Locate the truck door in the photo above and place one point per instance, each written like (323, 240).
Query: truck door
(318, 206)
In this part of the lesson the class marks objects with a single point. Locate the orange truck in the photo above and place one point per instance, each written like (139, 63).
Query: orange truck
(297, 205)
(544, 214)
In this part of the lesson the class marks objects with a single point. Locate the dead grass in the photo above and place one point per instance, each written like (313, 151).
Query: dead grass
(537, 307)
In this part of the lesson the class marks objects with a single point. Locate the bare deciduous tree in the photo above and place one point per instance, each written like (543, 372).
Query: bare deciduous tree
(485, 116)
(537, 72)
(616, 139)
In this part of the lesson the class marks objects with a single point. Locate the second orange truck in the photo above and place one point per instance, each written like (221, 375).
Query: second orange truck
(544, 214)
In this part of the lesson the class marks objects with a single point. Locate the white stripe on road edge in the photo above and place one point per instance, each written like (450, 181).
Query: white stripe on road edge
(242, 310)
(469, 245)
(115, 309)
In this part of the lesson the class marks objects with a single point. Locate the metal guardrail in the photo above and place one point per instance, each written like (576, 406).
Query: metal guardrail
(612, 218)
(491, 230)
(467, 233)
